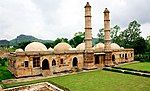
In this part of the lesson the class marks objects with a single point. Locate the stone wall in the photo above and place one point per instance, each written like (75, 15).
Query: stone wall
(44, 86)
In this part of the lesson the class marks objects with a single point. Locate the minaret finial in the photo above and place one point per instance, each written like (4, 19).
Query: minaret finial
(106, 10)
(87, 5)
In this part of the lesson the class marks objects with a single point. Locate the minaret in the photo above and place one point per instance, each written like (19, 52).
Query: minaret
(107, 39)
(88, 55)
(88, 28)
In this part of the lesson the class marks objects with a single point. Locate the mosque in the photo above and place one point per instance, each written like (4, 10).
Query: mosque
(36, 59)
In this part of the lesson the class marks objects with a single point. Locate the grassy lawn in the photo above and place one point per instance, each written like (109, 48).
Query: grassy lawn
(4, 73)
(98, 80)
(145, 66)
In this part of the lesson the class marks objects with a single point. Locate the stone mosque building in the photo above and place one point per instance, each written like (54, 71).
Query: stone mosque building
(36, 59)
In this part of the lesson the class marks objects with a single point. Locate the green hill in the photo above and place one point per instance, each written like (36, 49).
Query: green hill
(26, 38)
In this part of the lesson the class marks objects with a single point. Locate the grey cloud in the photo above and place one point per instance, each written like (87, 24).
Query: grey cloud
(49, 19)
(132, 10)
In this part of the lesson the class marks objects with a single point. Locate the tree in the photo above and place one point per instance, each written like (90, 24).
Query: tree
(129, 35)
(77, 39)
(22, 45)
(147, 52)
(2, 62)
(148, 42)
(49, 44)
(115, 34)
(5, 59)
(58, 40)
(100, 36)
(139, 45)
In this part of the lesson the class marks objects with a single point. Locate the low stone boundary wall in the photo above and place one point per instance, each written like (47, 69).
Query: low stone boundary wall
(35, 87)
(128, 72)
(131, 69)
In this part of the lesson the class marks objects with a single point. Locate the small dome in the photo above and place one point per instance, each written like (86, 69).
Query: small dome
(61, 47)
(121, 48)
(50, 49)
(19, 50)
(115, 46)
(81, 46)
(99, 46)
(35, 46)
(72, 49)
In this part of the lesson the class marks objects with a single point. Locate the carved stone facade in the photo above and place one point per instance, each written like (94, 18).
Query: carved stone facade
(36, 59)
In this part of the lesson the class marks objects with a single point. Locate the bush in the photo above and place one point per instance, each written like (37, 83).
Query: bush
(5, 59)
(2, 62)
(142, 57)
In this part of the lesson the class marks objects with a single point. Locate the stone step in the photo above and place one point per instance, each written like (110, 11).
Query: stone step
(46, 72)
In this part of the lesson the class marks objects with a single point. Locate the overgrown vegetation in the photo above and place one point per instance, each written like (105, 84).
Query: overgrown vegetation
(4, 73)
(3, 60)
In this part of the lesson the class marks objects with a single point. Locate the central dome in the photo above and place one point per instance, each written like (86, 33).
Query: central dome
(35, 46)
(61, 47)
(115, 46)
(81, 46)
(99, 46)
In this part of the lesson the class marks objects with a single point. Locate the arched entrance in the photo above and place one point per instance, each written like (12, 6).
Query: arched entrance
(75, 61)
(126, 56)
(96, 59)
(113, 57)
(45, 64)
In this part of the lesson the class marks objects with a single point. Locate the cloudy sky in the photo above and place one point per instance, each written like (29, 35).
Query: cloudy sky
(49, 19)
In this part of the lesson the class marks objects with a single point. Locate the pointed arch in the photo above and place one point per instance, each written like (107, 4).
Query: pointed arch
(96, 59)
(113, 57)
(53, 62)
(45, 64)
(75, 62)
(126, 56)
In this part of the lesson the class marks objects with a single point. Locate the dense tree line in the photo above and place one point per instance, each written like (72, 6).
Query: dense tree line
(128, 38)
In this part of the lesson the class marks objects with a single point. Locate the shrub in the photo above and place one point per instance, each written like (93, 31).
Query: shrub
(2, 62)
(5, 59)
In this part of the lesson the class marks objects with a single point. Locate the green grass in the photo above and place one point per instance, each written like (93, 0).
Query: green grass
(144, 66)
(4, 73)
(98, 80)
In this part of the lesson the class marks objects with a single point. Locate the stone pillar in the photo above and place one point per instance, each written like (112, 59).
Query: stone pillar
(88, 28)
(107, 39)
(88, 56)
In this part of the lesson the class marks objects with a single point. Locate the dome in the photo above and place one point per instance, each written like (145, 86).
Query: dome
(99, 46)
(61, 47)
(19, 50)
(35, 46)
(72, 48)
(50, 49)
(115, 46)
(121, 48)
(81, 46)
